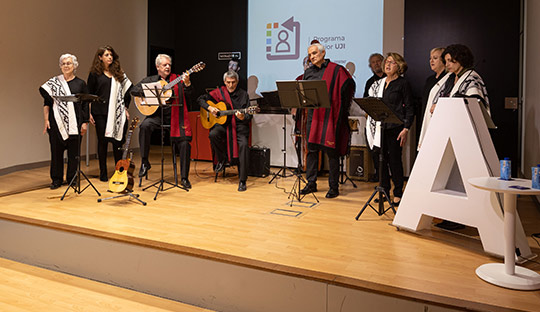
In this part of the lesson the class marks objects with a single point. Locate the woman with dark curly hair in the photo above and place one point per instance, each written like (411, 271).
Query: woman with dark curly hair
(108, 81)
(464, 81)
(395, 92)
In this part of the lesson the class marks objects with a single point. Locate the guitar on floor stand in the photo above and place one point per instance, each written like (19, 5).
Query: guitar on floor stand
(122, 181)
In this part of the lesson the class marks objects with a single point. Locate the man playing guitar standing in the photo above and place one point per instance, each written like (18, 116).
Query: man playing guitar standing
(176, 115)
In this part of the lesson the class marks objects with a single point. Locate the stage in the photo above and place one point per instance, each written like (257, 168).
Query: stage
(225, 250)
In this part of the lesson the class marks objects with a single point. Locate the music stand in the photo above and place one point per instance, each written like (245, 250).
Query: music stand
(75, 182)
(302, 94)
(379, 111)
(270, 100)
(153, 93)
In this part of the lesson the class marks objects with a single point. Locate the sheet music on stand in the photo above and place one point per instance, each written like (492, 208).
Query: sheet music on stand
(150, 91)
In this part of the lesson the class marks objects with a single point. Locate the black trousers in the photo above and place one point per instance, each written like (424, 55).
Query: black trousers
(392, 161)
(218, 141)
(312, 163)
(103, 142)
(58, 146)
(146, 128)
(182, 148)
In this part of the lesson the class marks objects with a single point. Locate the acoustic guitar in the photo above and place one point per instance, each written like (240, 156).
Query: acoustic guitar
(166, 94)
(123, 176)
(208, 120)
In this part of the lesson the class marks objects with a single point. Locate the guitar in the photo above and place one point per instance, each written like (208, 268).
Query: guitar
(148, 110)
(208, 120)
(123, 176)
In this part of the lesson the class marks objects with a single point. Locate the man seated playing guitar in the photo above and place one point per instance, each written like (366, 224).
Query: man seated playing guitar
(176, 115)
(230, 141)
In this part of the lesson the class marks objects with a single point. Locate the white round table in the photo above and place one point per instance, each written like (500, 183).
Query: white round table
(508, 274)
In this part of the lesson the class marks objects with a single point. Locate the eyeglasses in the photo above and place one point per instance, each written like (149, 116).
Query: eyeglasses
(66, 64)
(391, 62)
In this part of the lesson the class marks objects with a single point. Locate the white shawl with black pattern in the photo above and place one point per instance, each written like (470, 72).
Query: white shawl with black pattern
(64, 112)
(373, 128)
(116, 118)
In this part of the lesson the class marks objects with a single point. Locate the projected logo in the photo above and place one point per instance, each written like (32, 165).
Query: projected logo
(283, 41)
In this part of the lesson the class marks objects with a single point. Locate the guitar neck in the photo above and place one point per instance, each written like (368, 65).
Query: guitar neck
(232, 112)
(126, 146)
(176, 80)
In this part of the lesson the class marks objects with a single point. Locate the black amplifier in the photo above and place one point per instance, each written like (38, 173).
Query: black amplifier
(259, 161)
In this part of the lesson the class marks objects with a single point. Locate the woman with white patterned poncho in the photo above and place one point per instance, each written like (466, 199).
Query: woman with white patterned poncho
(61, 119)
(108, 81)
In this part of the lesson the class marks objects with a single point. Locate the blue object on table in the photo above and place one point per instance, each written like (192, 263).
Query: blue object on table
(536, 177)
(506, 169)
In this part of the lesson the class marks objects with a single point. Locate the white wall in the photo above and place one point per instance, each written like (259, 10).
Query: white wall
(531, 106)
(33, 35)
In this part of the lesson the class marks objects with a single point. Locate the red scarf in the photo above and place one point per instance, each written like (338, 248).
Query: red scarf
(329, 126)
(175, 113)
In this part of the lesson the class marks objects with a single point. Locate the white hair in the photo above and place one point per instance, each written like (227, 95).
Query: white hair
(158, 58)
(67, 55)
(230, 74)
(319, 46)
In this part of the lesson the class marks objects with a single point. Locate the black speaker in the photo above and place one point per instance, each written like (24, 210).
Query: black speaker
(359, 163)
(259, 161)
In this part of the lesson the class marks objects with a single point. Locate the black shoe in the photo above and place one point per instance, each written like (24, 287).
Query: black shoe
(185, 183)
(309, 188)
(332, 193)
(103, 179)
(242, 186)
(55, 185)
(145, 166)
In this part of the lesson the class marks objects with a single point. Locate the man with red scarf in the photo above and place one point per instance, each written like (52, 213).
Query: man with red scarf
(328, 128)
(175, 114)
(230, 141)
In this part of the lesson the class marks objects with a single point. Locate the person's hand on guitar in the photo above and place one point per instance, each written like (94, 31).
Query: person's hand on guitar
(240, 115)
(213, 110)
(186, 80)
(127, 114)
(92, 121)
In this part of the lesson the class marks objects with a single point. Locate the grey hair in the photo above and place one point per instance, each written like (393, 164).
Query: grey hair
(319, 46)
(73, 59)
(158, 58)
(230, 74)
(379, 55)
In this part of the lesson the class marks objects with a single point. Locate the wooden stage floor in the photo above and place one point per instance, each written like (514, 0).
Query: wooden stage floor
(259, 228)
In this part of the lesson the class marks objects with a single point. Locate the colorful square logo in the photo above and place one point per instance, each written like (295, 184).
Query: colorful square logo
(283, 41)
